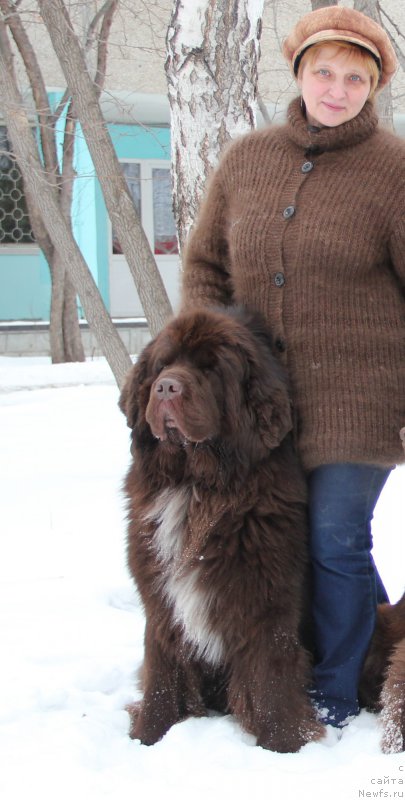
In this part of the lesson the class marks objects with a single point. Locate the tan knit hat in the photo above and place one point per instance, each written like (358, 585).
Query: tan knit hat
(344, 24)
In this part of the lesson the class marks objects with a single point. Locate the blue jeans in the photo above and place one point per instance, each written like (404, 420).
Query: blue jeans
(346, 584)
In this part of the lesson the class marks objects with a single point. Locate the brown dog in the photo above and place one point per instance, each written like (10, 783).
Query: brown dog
(217, 535)
(382, 685)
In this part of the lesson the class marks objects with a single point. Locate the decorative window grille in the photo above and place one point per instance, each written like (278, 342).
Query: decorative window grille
(15, 226)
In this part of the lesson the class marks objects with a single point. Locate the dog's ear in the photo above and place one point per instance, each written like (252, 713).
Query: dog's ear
(130, 394)
(275, 418)
(269, 396)
(267, 385)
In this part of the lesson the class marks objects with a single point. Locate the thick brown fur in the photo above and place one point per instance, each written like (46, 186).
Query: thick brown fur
(217, 520)
(382, 686)
(217, 534)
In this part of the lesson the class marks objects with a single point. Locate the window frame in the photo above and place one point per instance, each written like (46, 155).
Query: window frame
(147, 165)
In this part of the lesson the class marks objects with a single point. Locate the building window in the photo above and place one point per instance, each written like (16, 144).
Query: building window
(164, 228)
(150, 187)
(132, 172)
(15, 226)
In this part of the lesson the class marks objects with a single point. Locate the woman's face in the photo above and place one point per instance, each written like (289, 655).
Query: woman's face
(334, 86)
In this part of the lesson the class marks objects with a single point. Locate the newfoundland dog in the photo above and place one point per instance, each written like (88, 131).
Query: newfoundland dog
(217, 534)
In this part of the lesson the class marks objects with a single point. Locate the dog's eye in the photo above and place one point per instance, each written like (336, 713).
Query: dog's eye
(206, 364)
(159, 366)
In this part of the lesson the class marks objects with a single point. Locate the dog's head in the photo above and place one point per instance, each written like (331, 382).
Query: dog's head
(210, 378)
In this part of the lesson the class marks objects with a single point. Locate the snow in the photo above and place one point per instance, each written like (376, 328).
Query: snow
(72, 627)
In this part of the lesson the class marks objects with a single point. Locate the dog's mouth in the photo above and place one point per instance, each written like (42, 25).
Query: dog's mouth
(175, 436)
(167, 427)
(172, 431)
(169, 430)
(175, 433)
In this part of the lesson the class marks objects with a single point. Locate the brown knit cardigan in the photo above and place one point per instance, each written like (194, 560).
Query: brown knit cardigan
(307, 225)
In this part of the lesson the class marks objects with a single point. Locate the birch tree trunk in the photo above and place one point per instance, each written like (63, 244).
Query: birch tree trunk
(118, 200)
(212, 71)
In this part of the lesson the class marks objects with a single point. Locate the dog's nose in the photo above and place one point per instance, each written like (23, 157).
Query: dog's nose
(168, 388)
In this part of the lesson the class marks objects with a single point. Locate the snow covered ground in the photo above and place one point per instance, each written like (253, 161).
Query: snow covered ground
(71, 626)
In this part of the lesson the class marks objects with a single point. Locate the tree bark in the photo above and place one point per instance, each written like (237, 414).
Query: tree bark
(211, 69)
(72, 339)
(119, 203)
(70, 325)
(59, 232)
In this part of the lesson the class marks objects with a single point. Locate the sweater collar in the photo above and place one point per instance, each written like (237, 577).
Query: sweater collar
(349, 133)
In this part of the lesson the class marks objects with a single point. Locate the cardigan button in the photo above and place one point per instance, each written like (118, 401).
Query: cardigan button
(288, 212)
(307, 166)
(279, 279)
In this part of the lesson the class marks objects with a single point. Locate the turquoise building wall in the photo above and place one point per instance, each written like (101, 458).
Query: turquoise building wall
(25, 286)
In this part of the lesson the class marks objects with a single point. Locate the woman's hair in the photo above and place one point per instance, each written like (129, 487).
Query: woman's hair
(360, 53)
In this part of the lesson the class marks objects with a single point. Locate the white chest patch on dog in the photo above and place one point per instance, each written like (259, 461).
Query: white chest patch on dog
(179, 582)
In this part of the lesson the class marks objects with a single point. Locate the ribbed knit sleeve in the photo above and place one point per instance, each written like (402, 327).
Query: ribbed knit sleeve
(206, 278)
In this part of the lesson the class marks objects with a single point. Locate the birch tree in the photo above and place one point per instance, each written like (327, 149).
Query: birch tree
(212, 73)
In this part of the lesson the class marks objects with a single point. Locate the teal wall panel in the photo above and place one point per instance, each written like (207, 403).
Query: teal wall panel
(137, 141)
(25, 287)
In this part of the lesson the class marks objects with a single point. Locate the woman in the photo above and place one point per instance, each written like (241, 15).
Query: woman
(306, 222)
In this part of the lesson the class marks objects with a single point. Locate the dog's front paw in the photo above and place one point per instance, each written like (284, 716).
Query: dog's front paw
(290, 739)
(393, 739)
(393, 721)
(148, 724)
(133, 709)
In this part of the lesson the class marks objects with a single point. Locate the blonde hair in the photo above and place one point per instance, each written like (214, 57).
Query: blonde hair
(361, 54)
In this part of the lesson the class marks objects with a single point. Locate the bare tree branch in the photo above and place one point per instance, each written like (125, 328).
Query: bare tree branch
(110, 8)
(118, 200)
(384, 98)
(263, 109)
(399, 53)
